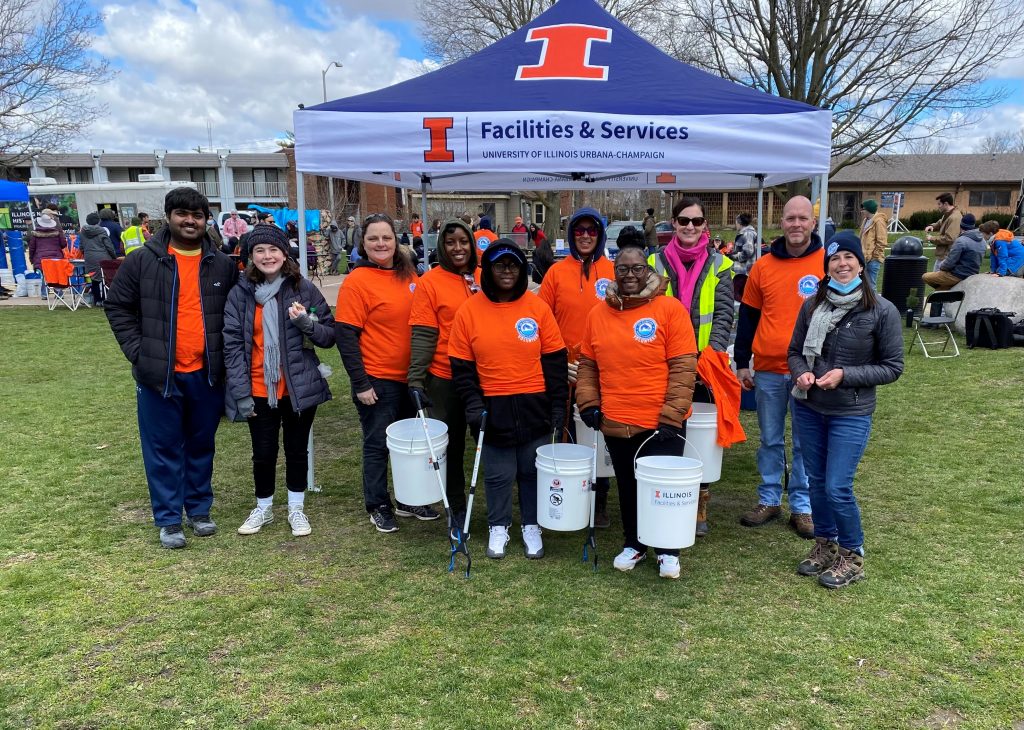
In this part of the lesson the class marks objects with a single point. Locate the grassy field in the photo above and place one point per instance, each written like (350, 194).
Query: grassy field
(349, 628)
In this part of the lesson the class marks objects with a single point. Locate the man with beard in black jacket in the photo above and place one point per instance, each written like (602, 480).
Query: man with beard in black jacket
(166, 308)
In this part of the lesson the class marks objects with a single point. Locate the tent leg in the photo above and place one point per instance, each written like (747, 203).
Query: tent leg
(760, 216)
(300, 201)
(423, 218)
(823, 210)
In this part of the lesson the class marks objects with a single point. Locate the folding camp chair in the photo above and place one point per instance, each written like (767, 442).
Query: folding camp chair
(57, 278)
(108, 270)
(933, 314)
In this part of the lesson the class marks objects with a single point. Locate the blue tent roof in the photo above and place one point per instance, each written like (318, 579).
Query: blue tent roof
(641, 80)
(10, 190)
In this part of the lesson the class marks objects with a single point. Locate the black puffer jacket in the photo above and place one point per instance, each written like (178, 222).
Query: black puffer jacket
(142, 308)
(306, 387)
(867, 344)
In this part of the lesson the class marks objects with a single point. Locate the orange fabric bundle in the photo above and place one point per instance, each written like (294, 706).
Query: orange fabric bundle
(713, 368)
(56, 272)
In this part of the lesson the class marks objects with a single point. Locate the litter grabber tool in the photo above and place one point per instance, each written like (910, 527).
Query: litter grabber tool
(455, 546)
(461, 534)
(590, 544)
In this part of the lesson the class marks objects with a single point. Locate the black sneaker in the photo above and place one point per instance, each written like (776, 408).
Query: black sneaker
(420, 513)
(202, 525)
(172, 537)
(383, 520)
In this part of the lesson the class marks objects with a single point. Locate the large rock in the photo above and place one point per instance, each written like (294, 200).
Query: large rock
(983, 290)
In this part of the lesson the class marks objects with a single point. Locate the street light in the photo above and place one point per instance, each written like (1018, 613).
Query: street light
(323, 76)
(330, 180)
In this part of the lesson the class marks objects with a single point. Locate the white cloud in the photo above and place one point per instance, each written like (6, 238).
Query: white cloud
(998, 119)
(243, 65)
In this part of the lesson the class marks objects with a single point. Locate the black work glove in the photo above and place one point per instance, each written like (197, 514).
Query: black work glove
(424, 400)
(473, 419)
(592, 417)
(666, 432)
(558, 418)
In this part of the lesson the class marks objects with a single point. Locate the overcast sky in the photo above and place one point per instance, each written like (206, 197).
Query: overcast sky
(244, 65)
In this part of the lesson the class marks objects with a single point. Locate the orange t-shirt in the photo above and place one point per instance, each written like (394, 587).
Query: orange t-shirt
(632, 349)
(438, 295)
(571, 297)
(416, 227)
(378, 302)
(506, 340)
(259, 385)
(779, 287)
(190, 332)
(488, 238)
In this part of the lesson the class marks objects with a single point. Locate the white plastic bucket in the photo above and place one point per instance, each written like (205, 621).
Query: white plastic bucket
(563, 486)
(702, 440)
(667, 489)
(411, 471)
(585, 437)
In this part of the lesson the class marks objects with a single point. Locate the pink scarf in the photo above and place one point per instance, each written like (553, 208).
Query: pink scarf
(678, 256)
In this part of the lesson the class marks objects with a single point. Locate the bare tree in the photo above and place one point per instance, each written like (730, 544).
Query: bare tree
(881, 67)
(455, 29)
(1002, 143)
(46, 74)
(926, 146)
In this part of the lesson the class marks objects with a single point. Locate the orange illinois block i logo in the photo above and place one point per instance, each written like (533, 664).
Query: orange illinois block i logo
(566, 53)
(438, 150)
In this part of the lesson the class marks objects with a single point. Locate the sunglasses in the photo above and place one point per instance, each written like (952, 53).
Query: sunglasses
(471, 283)
(507, 267)
(683, 221)
(586, 231)
(635, 269)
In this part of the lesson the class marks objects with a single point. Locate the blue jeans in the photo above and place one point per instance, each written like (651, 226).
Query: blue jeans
(773, 400)
(833, 446)
(178, 435)
(871, 269)
(502, 466)
(393, 404)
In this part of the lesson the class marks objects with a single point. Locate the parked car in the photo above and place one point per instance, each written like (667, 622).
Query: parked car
(615, 227)
(665, 232)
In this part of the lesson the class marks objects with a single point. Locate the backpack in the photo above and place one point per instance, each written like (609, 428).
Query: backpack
(989, 327)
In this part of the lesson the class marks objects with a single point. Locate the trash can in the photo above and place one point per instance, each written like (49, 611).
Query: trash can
(16, 249)
(902, 283)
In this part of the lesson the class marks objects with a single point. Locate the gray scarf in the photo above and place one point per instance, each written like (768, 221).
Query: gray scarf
(267, 292)
(824, 319)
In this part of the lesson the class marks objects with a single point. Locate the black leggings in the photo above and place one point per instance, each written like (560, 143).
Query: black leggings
(622, 451)
(264, 428)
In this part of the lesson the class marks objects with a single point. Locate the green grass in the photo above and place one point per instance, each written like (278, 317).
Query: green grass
(349, 628)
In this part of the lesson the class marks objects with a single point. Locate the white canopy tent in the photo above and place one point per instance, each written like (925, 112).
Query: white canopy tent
(573, 101)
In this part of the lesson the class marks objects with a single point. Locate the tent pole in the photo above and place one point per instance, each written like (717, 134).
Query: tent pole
(300, 201)
(823, 210)
(423, 219)
(760, 216)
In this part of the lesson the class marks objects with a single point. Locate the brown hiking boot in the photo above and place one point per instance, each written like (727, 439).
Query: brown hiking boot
(848, 568)
(802, 524)
(762, 514)
(822, 557)
(702, 512)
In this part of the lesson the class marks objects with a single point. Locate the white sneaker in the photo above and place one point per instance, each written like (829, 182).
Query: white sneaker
(299, 522)
(255, 521)
(668, 566)
(532, 543)
(627, 559)
(497, 541)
